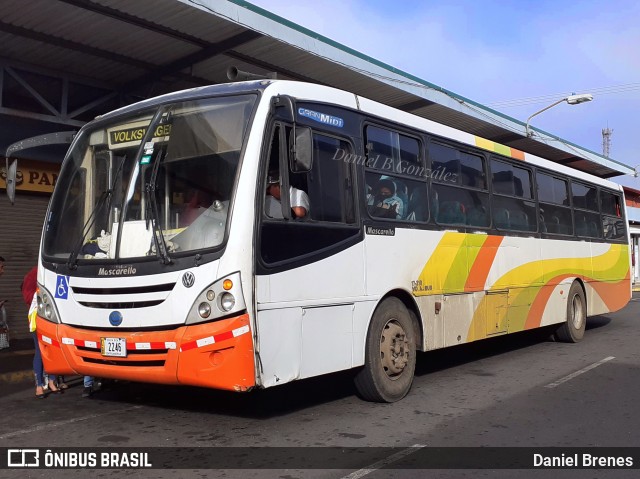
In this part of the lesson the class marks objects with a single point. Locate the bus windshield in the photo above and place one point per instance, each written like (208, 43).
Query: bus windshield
(155, 184)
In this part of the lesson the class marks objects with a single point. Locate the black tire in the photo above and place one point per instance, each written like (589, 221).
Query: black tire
(390, 354)
(572, 330)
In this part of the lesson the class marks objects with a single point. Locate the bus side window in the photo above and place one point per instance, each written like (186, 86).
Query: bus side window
(275, 179)
(612, 224)
(417, 208)
(391, 197)
(330, 216)
(329, 182)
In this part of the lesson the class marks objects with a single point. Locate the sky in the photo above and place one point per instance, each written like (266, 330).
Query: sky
(515, 56)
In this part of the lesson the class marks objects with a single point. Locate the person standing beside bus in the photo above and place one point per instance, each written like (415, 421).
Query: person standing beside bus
(2, 301)
(89, 389)
(29, 287)
(4, 326)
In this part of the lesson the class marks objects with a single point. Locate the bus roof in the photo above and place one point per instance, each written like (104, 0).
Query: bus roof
(315, 92)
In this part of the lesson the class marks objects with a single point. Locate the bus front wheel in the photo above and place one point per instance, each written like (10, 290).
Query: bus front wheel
(390, 354)
(572, 330)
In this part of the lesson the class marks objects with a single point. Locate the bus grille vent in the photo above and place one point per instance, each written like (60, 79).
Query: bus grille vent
(122, 298)
(127, 305)
(114, 362)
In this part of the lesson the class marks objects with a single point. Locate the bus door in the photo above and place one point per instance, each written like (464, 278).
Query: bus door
(310, 266)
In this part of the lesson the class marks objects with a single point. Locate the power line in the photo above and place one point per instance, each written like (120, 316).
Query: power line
(480, 111)
(610, 90)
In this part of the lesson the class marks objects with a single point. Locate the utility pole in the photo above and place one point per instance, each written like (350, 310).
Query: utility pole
(606, 141)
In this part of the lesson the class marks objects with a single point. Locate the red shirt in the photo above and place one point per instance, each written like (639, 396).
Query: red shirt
(29, 285)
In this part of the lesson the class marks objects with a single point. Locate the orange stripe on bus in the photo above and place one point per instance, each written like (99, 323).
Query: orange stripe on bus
(517, 154)
(534, 318)
(482, 265)
(615, 295)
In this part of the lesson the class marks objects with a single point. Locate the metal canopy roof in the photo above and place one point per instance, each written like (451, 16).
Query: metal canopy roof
(138, 49)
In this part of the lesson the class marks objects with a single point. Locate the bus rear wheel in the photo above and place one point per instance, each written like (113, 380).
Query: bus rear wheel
(572, 330)
(390, 354)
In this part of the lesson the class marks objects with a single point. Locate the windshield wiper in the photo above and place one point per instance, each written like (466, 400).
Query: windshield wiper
(72, 262)
(152, 211)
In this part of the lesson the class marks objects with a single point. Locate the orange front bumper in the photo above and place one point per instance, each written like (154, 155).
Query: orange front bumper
(216, 355)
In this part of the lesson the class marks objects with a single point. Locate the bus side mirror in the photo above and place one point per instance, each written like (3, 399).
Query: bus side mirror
(302, 158)
(12, 171)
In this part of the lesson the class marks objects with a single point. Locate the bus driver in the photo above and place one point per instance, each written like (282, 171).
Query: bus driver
(299, 200)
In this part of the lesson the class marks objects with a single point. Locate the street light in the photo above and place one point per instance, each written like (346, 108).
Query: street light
(571, 100)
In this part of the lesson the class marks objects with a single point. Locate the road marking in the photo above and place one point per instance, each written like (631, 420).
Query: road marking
(62, 423)
(578, 373)
(384, 462)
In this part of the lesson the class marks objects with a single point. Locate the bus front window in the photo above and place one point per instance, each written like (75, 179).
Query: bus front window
(117, 198)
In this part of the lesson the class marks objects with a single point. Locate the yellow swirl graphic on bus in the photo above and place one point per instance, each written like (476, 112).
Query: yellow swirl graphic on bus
(517, 298)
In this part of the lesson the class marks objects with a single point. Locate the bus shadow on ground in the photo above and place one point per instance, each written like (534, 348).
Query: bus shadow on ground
(446, 358)
(256, 404)
(307, 393)
(597, 322)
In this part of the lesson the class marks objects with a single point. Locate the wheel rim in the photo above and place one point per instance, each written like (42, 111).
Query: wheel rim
(577, 311)
(394, 349)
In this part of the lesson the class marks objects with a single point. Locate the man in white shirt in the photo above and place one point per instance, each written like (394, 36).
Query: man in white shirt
(298, 200)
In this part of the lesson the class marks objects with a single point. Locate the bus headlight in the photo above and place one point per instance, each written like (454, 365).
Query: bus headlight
(227, 302)
(218, 300)
(204, 310)
(46, 307)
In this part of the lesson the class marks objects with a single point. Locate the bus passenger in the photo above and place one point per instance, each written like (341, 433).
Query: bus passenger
(298, 199)
(384, 198)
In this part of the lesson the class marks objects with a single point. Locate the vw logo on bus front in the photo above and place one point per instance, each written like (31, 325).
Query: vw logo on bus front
(115, 318)
(188, 279)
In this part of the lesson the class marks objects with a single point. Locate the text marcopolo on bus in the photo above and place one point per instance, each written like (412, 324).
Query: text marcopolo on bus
(396, 166)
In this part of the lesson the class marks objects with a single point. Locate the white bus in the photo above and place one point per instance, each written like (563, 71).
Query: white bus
(159, 262)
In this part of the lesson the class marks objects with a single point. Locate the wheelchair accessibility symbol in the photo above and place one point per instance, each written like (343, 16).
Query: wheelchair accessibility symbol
(62, 287)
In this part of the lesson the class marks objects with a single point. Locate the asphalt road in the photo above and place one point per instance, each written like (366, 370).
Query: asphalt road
(517, 391)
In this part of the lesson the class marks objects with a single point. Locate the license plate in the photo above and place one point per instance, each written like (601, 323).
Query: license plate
(116, 347)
